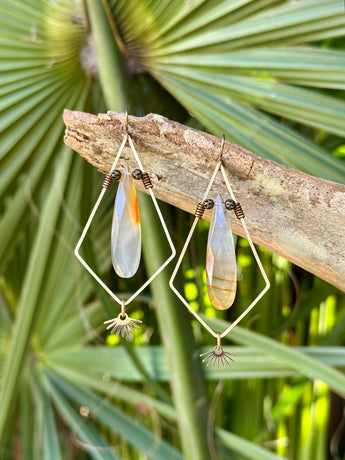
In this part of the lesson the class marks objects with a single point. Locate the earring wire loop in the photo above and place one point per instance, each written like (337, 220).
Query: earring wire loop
(219, 341)
(123, 309)
(221, 149)
(126, 120)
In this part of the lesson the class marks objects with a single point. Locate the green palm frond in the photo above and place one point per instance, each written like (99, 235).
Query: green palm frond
(228, 62)
(244, 68)
(251, 363)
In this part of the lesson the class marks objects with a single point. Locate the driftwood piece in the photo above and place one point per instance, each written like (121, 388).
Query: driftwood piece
(287, 211)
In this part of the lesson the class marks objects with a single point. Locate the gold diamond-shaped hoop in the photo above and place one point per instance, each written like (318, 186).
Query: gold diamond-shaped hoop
(217, 355)
(122, 324)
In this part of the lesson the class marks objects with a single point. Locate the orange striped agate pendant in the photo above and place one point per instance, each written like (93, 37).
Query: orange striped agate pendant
(126, 229)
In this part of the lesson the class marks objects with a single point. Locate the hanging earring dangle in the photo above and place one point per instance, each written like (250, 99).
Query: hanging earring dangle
(125, 234)
(221, 267)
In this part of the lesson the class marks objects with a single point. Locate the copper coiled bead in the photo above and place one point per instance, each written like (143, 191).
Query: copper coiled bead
(200, 209)
(239, 211)
(146, 180)
(107, 181)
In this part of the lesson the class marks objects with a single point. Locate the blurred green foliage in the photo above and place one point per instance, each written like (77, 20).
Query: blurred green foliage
(271, 76)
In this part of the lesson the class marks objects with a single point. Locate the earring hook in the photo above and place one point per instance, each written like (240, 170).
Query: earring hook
(222, 149)
(126, 121)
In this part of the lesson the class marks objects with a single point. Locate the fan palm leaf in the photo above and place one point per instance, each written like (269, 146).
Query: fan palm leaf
(244, 68)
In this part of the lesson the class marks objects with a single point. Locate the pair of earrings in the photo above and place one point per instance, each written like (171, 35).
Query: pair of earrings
(221, 267)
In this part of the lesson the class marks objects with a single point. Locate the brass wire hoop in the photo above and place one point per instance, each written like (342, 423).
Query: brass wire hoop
(105, 186)
(240, 216)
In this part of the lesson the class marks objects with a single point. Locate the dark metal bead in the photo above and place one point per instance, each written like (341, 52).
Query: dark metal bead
(116, 174)
(137, 174)
(230, 204)
(208, 203)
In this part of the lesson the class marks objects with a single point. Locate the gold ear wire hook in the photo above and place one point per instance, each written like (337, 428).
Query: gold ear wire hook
(222, 149)
(126, 121)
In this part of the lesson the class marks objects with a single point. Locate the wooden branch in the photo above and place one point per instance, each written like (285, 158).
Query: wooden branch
(288, 212)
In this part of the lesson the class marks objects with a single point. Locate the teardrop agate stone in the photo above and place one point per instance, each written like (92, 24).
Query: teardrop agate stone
(126, 230)
(221, 268)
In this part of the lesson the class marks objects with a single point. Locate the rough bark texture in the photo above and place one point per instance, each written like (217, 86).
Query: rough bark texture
(288, 212)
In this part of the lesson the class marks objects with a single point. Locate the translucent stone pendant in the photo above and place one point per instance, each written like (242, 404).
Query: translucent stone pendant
(126, 230)
(221, 268)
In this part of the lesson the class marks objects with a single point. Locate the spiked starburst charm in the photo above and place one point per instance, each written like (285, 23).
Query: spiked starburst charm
(122, 325)
(217, 357)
